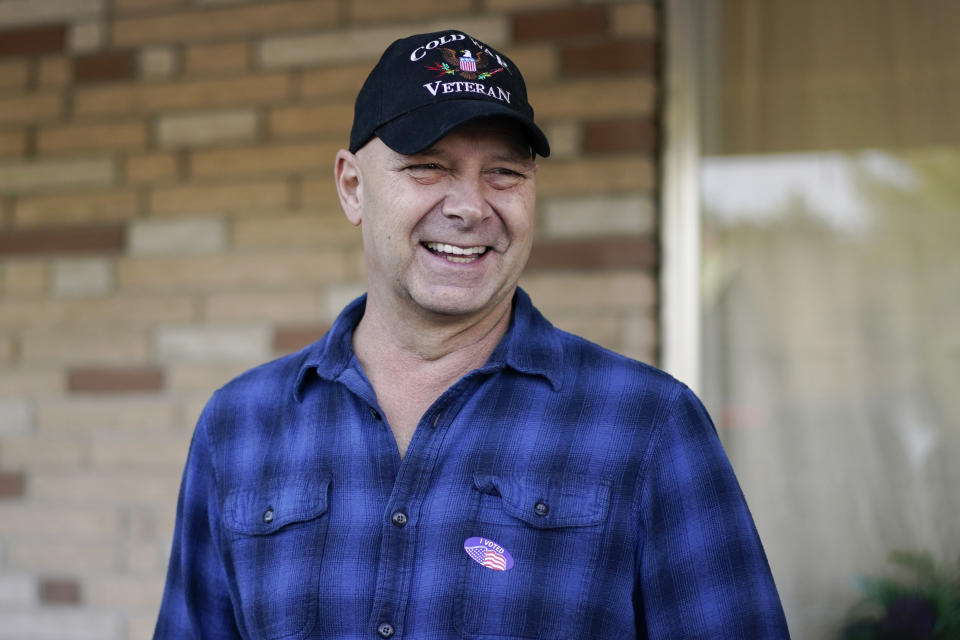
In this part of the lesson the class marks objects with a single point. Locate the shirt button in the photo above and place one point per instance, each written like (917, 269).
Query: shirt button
(399, 518)
(375, 414)
(541, 508)
(268, 515)
(385, 630)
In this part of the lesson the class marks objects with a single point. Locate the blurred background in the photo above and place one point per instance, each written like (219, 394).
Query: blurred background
(168, 219)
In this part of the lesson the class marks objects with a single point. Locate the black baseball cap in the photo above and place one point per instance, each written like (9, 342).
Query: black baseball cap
(426, 85)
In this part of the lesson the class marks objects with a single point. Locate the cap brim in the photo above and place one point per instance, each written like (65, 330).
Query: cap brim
(419, 129)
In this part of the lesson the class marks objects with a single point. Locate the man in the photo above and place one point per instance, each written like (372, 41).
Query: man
(444, 463)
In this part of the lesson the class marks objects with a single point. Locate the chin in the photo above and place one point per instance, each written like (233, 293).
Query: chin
(457, 303)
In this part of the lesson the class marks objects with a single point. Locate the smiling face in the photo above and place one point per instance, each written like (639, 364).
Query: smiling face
(446, 232)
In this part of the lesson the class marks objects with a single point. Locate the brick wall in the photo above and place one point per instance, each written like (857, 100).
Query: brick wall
(168, 219)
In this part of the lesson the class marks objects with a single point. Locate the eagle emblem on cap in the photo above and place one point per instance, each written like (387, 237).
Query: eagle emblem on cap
(464, 64)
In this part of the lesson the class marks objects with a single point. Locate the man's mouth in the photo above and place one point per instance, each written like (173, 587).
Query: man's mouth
(454, 253)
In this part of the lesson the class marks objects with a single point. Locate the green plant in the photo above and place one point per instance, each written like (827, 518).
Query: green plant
(922, 603)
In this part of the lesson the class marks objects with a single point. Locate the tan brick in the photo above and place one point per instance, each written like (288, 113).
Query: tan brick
(61, 556)
(75, 208)
(217, 58)
(83, 416)
(124, 592)
(598, 216)
(213, 343)
(186, 130)
(594, 98)
(12, 143)
(209, 199)
(92, 137)
(54, 72)
(328, 119)
(297, 230)
(605, 175)
(16, 417)
(602, 328)
(35, 519)
(634, 19)
(146, 557)
(136, 451)
(31, 108)
(151, 167)
(601, 291)
(78, 277)
(259, 160)
(223, 22)
(566, 137)
(383, 10)
(338, 295)
(340, 80)
(158, 62)
(29, 453)
(282, 306)
(202, 378)
(16, 12)
(194, 94)
(23, 177)
(321, 192)
(128, 311)
(130, 6)
(514, 5)
(191, 273)
(349, 45)
(14, 74)
(536, 61)
(18, 591)
(177, 237)
(31, 382)
(24, 277)
(639, 334)
(87, 36)
(62, 623)
(71, 345)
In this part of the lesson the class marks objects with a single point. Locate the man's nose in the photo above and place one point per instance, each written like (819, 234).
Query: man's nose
(465, 202)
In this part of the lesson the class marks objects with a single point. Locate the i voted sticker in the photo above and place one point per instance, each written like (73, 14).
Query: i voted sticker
(488, 553)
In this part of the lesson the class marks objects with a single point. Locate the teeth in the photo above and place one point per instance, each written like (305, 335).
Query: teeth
(457, 251)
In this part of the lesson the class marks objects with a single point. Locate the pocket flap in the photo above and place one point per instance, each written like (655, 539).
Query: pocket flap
(267, 507)
(549, 503)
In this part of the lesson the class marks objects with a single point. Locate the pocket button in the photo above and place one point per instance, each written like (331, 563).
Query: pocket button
(385, 630)
(541, 508)
(268, 515)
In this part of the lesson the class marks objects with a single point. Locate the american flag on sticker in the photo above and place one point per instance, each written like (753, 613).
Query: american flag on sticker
(488, 553)
(468, 62)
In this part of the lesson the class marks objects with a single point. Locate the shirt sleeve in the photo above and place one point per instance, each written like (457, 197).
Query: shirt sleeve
(702, 571)
(196, 603)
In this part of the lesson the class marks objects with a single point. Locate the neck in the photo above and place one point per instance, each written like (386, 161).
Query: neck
(387, 337)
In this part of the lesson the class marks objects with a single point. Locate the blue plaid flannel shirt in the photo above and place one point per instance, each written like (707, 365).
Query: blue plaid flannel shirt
(601, 477)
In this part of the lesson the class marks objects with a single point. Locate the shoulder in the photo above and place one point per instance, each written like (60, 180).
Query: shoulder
(588, 363)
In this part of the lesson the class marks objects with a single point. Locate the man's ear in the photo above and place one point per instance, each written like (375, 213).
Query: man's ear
(346, 174)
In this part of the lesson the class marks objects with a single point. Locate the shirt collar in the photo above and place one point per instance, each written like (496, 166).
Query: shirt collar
(530, 346)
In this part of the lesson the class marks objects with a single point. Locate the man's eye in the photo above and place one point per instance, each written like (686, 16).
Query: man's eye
(504, 178)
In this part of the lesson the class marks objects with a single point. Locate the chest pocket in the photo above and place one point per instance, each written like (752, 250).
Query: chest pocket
(552, 528)
(274, 536)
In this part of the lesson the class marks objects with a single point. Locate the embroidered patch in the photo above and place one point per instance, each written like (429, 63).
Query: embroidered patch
(465, 64)
(488, 554)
